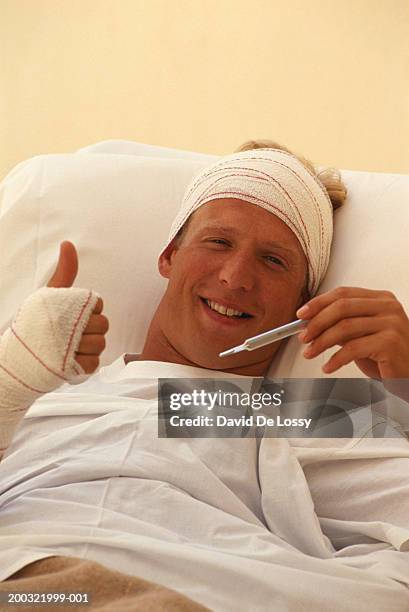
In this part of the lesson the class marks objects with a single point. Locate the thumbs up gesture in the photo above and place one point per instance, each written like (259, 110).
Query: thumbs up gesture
(93, 341)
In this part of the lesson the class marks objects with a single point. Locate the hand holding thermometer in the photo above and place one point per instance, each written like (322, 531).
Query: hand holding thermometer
(267, 337)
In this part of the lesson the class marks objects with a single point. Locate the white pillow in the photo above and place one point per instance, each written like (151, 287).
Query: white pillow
(117, 210)
(128, 147)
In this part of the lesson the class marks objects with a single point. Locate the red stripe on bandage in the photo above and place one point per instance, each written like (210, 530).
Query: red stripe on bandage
(22, 382)
(268, 178)
(36, 357)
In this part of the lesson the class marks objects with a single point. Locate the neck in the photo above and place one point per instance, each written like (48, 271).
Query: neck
(158, 348)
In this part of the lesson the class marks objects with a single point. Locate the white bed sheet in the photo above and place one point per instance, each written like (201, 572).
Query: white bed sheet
(234, 524)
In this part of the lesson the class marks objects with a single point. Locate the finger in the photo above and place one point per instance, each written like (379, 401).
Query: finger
(344, 309)
(382, 349)
(359, 348)
(67, 266)
(97, 324)
(342, 332)
(89, 363)
(91, 344)
(319, 302)
(99, 306)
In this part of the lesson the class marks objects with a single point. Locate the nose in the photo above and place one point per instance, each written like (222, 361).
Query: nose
(237, 272)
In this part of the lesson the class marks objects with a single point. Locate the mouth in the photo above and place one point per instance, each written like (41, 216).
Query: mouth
(225, 312)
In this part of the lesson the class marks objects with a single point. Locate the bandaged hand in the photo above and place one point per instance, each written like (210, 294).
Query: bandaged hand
(92, 341)
(371, 327)
(56, 335)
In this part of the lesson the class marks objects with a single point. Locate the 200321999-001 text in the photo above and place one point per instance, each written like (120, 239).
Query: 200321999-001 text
(43, 599)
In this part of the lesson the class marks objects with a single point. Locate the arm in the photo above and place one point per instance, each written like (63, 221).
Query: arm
(57, 334)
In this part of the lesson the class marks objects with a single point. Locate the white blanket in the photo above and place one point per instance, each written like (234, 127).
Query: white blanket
(235, 524)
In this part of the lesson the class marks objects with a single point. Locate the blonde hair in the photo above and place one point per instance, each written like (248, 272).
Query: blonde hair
(330, 177)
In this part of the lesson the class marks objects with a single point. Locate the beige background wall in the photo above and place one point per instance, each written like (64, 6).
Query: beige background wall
(328, 78)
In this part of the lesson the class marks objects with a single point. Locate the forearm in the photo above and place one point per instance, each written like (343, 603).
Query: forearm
(37, 353)
(19, 386)
(12, 411)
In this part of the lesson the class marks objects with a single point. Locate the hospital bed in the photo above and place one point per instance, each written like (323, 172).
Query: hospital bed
(115, 201)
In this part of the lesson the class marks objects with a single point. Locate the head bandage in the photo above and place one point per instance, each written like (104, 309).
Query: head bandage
(278, 182)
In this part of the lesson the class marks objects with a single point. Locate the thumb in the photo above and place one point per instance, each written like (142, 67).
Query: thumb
(67, 266)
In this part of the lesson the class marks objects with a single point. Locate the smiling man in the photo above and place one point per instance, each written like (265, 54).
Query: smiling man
(236, 270)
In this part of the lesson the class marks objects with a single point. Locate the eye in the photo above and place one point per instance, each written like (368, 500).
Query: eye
(274, 260)
(218, 241)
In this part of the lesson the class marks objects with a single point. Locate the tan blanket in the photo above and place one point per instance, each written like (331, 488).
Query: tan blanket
(108, 590)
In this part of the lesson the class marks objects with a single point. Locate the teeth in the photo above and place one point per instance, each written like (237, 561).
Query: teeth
(229, 312)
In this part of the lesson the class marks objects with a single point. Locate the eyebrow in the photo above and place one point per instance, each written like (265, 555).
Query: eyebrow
(270, 244)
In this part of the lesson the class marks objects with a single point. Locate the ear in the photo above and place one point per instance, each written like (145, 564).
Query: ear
(165, 260)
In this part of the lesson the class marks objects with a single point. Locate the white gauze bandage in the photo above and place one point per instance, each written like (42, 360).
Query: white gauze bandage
(37, 353)
(278, 182)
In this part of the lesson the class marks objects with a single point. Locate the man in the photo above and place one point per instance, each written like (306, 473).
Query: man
(236, 266)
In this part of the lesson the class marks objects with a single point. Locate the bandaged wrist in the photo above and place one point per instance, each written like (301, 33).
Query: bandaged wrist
(37, 353)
